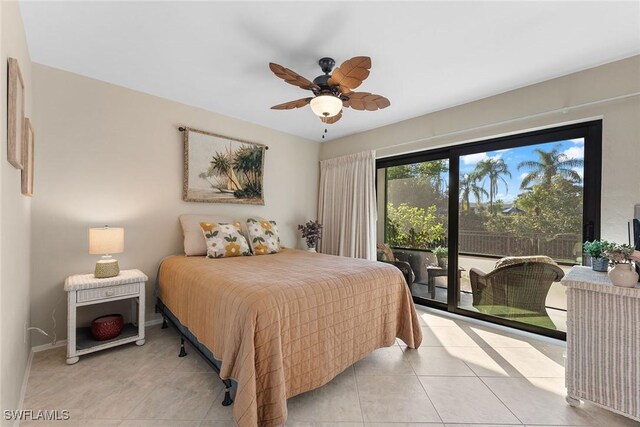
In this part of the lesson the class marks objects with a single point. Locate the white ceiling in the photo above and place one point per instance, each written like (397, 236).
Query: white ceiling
(426, 55)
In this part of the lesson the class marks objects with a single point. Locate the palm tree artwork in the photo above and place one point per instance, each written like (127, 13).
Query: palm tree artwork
(220, 169)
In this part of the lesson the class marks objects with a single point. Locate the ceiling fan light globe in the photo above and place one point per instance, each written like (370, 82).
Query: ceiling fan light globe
(326, 105)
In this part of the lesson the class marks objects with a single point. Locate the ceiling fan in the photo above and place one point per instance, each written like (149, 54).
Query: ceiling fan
(333, 91)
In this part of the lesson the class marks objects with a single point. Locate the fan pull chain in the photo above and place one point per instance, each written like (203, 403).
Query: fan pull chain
(325, 131)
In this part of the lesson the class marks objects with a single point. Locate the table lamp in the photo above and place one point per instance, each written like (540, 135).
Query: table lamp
(106, 241)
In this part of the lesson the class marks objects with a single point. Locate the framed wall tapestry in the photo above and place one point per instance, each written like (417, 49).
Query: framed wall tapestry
(27, 159)
(15, 117)
(220, 169)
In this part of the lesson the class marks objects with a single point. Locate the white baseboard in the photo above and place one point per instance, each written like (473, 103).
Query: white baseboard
(25, 380)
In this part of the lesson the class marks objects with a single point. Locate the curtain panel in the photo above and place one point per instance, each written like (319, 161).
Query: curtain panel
(347, 205)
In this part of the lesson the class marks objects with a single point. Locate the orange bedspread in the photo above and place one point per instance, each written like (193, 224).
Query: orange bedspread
(287, 323)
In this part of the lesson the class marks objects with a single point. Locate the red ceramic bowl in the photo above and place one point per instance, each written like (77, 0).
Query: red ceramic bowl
(107, 327)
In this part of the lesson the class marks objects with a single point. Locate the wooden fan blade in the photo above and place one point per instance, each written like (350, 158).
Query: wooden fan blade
(292, 77)
(298, 103)
(331, 120)
(366, 101)
(351, 73)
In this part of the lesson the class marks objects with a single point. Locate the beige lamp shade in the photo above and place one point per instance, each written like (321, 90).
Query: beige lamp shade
(106, 240)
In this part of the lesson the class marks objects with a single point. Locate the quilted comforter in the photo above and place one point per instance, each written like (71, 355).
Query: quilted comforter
(287, 323)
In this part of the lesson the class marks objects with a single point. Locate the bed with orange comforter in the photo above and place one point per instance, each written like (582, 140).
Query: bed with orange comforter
(287, 323)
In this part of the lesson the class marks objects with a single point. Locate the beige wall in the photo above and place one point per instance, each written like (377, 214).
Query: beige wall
(551, 103)
(15, 224)
(107, 154)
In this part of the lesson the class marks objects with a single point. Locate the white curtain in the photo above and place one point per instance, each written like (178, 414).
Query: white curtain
(347, 205)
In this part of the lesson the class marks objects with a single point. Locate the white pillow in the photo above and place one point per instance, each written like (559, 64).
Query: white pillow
(194, 242)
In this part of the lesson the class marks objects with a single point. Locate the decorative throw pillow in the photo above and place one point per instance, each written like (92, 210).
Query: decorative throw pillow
(224, 240)
(263, 236)
(194, 242)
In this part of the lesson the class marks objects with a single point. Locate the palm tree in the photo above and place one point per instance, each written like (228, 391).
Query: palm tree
(549, 166)
(469, 186)
(495, 170)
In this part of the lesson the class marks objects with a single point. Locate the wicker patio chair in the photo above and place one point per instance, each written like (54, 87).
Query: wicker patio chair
(516, 289)
(385, 254)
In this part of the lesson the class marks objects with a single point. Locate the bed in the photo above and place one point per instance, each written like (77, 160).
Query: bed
(285, 323)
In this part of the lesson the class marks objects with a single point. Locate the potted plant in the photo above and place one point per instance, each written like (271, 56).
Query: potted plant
(442, 254)
(596, 250)
(622, 274)
(312, 233)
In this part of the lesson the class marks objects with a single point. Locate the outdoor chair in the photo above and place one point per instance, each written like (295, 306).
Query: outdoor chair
(516, 289)
(385, 254)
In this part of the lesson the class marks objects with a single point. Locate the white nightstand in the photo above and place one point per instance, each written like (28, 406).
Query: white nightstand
(85, 289)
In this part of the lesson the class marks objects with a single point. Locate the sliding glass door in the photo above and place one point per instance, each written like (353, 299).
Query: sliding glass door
(489, 228)
(416, 217)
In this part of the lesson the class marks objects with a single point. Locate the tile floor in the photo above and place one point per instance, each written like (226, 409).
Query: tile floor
(465, 374)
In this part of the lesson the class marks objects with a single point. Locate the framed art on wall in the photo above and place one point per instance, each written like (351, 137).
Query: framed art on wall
(15, 117)
(220, 169)
(27, 159)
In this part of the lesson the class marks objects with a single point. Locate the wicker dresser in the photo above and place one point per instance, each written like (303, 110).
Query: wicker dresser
(603, 342)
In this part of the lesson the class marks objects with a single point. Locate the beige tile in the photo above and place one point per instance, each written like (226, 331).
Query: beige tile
(466, 400)
(403, 425)
(438, 361)
(395, 399)
(484, 425)
(322, 424)
(446, 336)
(193, 362)
(431, 319)
(537, 400)
(209, 423)
(183, 395)
(217, 412)
(49, 360)
(494, 338)
(335, 401)
(72, 423)
(159, 423)
(484, 361)
(603, 417)
(531, 362)
(119, 400)
(74, 391)
(384, 361)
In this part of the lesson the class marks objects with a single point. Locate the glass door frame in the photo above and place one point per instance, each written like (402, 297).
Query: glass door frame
(591, 131)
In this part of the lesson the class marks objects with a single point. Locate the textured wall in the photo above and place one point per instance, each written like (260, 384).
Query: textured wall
(15, 223)
(110, 155)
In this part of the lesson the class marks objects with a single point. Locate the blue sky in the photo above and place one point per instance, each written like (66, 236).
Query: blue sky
(573, 148)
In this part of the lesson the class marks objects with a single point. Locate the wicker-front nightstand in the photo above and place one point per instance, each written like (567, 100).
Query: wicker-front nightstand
(85, 289)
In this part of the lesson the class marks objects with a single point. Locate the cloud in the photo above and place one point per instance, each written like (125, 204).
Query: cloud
(472, 159)
(574, 152)
(577, 141)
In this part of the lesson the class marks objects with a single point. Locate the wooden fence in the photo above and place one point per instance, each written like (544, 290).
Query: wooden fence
(566, 247)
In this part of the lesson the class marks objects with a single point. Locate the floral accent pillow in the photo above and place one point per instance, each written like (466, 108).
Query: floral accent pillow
(224, 240)
(263, 236)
